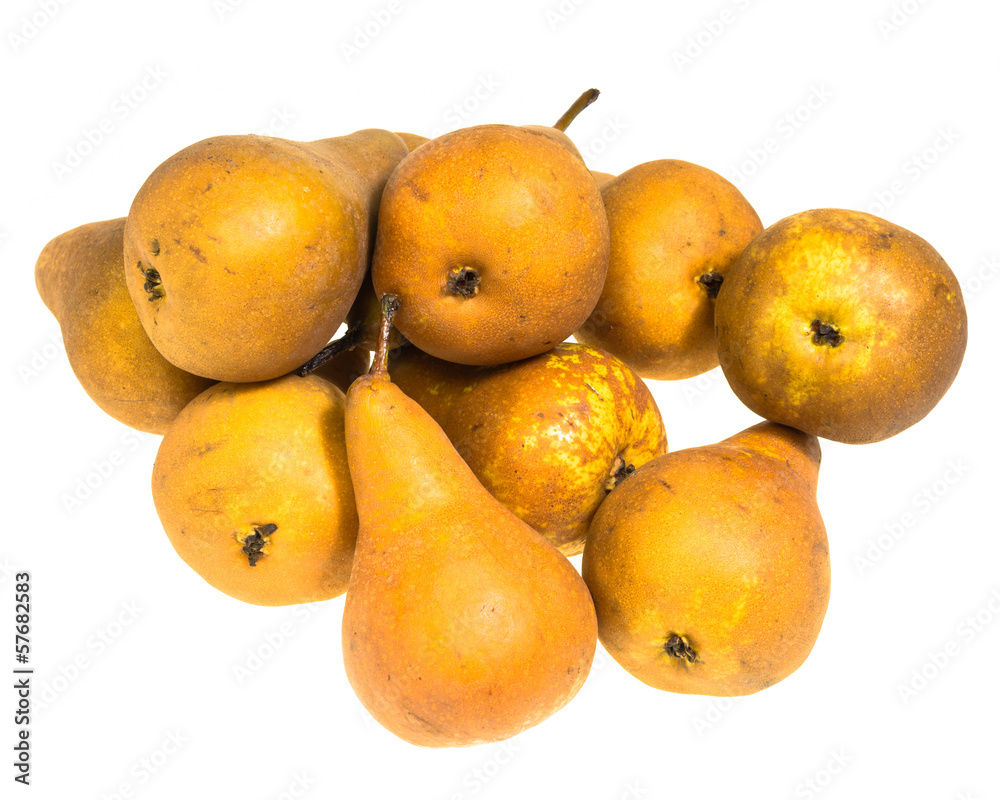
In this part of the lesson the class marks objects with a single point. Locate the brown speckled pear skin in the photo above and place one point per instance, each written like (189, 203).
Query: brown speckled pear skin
(461, 624)
(676, 228)
(496, 239)
(548, 436)
(841, 324)
(243, 457)
(244, 253)
(80, 279)
(710, 567)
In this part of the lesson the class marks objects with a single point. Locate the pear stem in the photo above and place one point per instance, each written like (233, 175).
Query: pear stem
(380, 362)
(581, 103)
(346, 342)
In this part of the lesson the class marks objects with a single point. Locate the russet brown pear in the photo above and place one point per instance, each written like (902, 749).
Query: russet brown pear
(251, 485)
(496, 239)
(841, 324)
(244, 253)
(461, 625)
(710, 567)
(80, 279)
(676, 228)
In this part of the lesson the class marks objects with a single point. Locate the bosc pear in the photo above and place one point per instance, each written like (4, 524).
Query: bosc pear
(80, 279)
(461, 625)
(710, 567)
(244, 253)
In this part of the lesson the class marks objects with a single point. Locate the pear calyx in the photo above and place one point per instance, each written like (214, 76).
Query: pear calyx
(153, 284)
(825, 333)
(711, 282)
(254, 543)
(463, 281)
(620, 470)
(678, 647)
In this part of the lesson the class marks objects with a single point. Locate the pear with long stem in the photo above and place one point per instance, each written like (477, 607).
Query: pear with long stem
(462, 625)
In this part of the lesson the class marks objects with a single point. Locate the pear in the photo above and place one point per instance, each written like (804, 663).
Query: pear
(710, 567)
(461, 625)
(549, 436)
(252, 487)
(244, 253)
(602, 178)
(413, 140)
(841, 324)
(676, 228)
(80, 279)
(496, 239)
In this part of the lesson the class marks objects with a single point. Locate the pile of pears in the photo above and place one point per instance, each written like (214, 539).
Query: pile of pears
(415, 371)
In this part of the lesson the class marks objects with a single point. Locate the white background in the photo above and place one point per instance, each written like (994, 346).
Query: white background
(134, 652)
